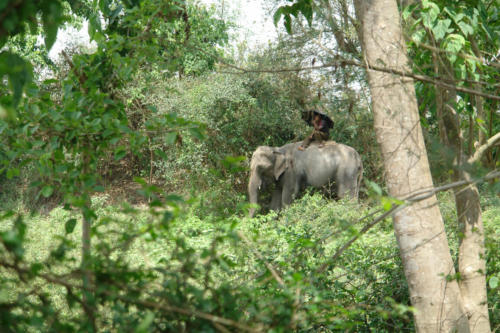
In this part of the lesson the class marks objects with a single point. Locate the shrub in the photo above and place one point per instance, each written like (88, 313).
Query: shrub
(239, 114)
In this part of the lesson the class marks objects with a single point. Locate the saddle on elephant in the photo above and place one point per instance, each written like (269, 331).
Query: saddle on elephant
(321, 128)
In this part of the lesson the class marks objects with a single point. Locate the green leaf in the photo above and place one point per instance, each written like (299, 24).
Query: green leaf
(375, 187)
(277, 16)
(386, 203)
(288, 24)
(18, 71)
(297, 277)
(50, 35)
(196, 132)
(145, 324)
(47, 191)
(493, 283)
(466, 28)
(120, 153)
(307, 11)
(13, 172)
(140, 181)
(3, 112)
(174, 198)
(441, 28)
(419, 36)
(94, 26)
(69, 226)
(170, 138)
(52, 17)
(161, 154)
(453, 43)
(472, 65)
(408, 11)
(430, 13)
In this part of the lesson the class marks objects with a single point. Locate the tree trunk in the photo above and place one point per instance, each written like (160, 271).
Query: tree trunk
(86, 264)
(471, 255)
(419, 229)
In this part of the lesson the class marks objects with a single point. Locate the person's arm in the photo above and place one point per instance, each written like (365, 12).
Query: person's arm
(317, 124)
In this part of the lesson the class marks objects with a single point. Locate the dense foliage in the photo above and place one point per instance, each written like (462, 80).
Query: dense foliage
(461, 42)
(143, 144)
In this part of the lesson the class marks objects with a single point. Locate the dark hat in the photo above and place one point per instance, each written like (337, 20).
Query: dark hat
(308, 117)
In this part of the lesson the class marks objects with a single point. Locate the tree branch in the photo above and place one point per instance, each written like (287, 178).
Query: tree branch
(367, 227)
(461, 54)
(409, 200)
(82, 78)
(342, 62)
(62, 281)
(257, 253)
(482, 149)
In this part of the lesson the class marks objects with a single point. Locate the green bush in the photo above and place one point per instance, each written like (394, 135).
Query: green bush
(238, 113)
(200, 260)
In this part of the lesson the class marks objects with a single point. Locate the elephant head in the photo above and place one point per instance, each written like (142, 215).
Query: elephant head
(266, 167)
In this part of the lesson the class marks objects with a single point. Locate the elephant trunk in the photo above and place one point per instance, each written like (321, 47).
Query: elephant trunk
(253, 191)
(360, 178)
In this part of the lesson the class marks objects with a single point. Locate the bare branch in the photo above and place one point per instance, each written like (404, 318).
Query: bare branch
(342, 62)
(482, 149)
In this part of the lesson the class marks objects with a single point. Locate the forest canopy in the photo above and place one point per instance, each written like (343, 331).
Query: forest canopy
(125, 165)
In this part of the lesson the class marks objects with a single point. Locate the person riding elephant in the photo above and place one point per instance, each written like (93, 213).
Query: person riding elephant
(321, 124)
(291, 170)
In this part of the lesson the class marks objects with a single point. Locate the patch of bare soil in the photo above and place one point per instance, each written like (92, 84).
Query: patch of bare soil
(126, 190)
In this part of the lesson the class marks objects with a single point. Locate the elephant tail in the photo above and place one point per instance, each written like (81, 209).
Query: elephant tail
(360, 178)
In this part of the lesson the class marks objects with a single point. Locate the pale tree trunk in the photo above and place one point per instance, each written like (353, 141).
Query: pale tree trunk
(419, 229)
(471, 255)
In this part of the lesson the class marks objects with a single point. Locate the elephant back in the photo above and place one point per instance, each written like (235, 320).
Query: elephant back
(333, 162)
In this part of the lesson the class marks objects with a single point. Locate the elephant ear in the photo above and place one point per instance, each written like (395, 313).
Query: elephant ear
(280, 165)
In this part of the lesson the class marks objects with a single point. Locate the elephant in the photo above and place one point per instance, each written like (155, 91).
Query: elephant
(291, 170)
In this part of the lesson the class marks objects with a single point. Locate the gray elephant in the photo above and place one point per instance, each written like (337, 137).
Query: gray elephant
(291, 170)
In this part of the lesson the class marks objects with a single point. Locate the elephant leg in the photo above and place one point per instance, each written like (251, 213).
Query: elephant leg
(341, 190)
(287, 196)
(276, 200)
(290, 192)
(347, 187)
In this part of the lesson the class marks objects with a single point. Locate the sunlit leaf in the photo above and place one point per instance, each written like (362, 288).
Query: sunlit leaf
(441, 28)
(493, 283)
(145, 324)
(386, 203)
